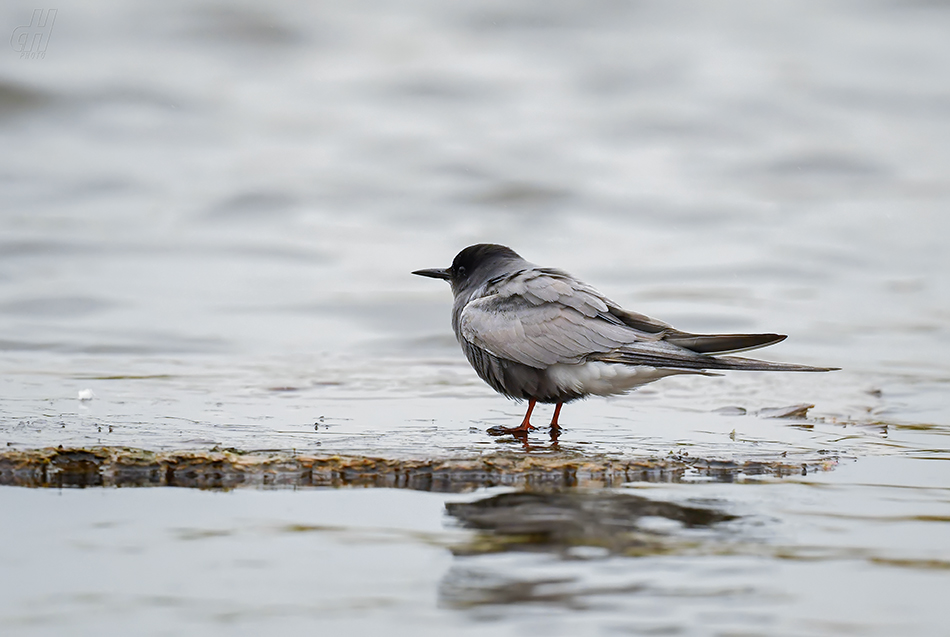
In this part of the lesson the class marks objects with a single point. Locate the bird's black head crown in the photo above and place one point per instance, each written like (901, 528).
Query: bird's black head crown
(479, 256)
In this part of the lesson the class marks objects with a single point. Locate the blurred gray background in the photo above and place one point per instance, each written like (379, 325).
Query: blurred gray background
(225, 182)
(209, 211)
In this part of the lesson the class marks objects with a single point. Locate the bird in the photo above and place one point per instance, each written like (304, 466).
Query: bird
(539, 334)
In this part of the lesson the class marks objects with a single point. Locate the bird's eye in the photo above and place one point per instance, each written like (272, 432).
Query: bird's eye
(460, 272)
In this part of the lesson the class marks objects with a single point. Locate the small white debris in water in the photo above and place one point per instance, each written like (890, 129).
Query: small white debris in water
(86, 394)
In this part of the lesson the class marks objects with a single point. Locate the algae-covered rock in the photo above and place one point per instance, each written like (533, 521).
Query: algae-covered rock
(227, 468)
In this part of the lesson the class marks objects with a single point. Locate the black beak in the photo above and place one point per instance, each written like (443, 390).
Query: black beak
(435, 273)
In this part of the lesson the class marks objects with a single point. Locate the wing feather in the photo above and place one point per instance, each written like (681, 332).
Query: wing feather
(541, 317)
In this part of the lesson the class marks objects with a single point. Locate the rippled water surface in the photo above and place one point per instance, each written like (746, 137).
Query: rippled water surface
(208, 216)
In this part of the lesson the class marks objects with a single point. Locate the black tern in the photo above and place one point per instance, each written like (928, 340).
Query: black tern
(538, 334)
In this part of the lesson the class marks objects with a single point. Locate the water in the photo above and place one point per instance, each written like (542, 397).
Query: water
(835, 554)
(209, 213)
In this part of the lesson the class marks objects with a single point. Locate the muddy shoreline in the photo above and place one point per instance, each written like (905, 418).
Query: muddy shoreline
(229, 468)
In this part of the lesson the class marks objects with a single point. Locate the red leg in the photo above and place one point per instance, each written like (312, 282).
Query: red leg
(526, 423)
(557, 412)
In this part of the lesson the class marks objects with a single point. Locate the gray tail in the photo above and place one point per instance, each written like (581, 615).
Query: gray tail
(714, 344)
(751, 364)
(689, 361)
(694, 352)
(721, 343)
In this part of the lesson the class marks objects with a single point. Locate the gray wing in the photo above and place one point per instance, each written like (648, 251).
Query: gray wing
(540, 317)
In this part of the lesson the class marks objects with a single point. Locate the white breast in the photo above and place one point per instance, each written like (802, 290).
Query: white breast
(603, 379)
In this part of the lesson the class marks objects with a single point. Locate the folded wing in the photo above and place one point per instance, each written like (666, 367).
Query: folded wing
(541, 317)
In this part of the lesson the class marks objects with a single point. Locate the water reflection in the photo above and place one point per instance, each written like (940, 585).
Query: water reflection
(618, 523)
(594, 527)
